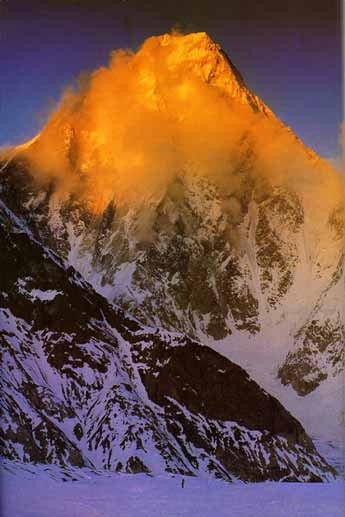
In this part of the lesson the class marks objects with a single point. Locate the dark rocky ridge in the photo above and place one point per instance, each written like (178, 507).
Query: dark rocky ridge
(208, 384)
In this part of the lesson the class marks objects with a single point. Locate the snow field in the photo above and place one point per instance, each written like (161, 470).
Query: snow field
(116, 495)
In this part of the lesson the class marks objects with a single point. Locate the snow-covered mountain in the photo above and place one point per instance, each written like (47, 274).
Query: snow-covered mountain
(85, 385)
(177, 194)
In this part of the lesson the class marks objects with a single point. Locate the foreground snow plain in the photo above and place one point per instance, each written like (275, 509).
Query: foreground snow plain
(42, 492)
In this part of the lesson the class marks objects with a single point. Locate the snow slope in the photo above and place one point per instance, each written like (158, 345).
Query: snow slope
(38, 495)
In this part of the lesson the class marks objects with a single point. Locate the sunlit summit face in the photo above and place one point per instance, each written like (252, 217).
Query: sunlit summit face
(176, 107)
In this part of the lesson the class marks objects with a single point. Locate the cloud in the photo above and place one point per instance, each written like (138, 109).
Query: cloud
(134, 126)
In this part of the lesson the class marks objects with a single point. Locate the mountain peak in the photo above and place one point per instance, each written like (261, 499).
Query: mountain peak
(196, 47)
(176, 106)
(198, 54)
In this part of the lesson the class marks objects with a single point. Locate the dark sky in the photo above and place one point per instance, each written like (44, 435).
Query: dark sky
(288, 52)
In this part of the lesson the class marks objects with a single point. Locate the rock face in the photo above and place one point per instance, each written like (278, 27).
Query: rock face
(320, 341)
(85, 385)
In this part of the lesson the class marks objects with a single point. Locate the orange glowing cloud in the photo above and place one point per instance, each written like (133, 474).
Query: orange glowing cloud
(177, 107)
